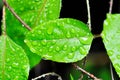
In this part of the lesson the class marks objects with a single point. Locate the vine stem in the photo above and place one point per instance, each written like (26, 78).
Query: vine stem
(15, 14)
(111, 5)
(111, 71)
(85, 72)
(84, 65)
(48, 74)
(89, 15)
(4, 21)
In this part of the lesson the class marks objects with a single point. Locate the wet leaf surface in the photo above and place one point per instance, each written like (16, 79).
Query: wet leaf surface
(14, 64)
(111, 39)
(33, 12)
(61, 40)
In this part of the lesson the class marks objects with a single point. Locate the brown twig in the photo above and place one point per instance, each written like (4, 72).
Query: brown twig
(48, 74)
(4, 22)
(15, 14)
(111, 5)
(89, 15)
(85, 72)
(97, 36)
(83, 65)
(111, 71)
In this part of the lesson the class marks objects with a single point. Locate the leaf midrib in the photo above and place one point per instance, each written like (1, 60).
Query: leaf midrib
(39, 12)
(3, 58)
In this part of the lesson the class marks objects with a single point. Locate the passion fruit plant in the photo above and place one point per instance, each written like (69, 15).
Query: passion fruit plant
(50, 37)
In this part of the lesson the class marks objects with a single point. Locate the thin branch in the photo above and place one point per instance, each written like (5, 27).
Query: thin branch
(89, 15)
(97, 36)
(111, 6)
(111, 71)
(13, 12)
(83, 64)
(48, 74)
(4, 22)
(85, 72)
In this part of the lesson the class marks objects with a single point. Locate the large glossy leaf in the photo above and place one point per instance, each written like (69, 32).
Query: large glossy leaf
(111, 39)
(33, 12)
(62, 40)
(14, 64)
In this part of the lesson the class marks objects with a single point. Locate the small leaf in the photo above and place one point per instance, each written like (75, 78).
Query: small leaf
(62, 40)
(71, 77)
(111, 39)
(33, 12)
(14, 64)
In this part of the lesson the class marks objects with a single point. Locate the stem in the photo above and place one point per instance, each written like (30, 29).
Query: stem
(13, 12)
(97, 36)
(4, 22)
(111, 5)
(85, 72)
(84, 64)
(111, 71)
(89, 17)
(48, 74)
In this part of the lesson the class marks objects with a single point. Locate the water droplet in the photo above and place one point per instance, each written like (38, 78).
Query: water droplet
(50, 12)
(105, 22)
(15, 64)
(16, 78)
(34, 43)
(9, 68)
(82, 51)
(54, 41)
(8, 60)
(49, 31)
(33, 50)
(117, 67)
(21, 2)
(68, 35)
(65, 47)
(51, 48)
(31, 7)
(36, 0)
(40, 50)
(22, 25)
(118, 56)
(72, 31)
(73, 48)
(57, 49)
(29, 2)
(44, 42)
(41, 21)
(47, 56)
(33, 35)
(39, 32)
(70, 55)
(110, 52)
(22, 8)
(25, 40)
(85, 40)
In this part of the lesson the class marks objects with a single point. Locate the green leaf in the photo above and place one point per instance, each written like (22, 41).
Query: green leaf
(71, 77)
(61, 40)
(14, 64)
(111, 39)
(33, 12)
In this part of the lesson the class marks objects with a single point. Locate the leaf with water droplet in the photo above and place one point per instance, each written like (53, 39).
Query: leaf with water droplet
(32, 12)
(67, 46)
(111, 39)
(14, 64)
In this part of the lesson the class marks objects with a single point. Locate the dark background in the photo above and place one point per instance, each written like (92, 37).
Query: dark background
(77, 9)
